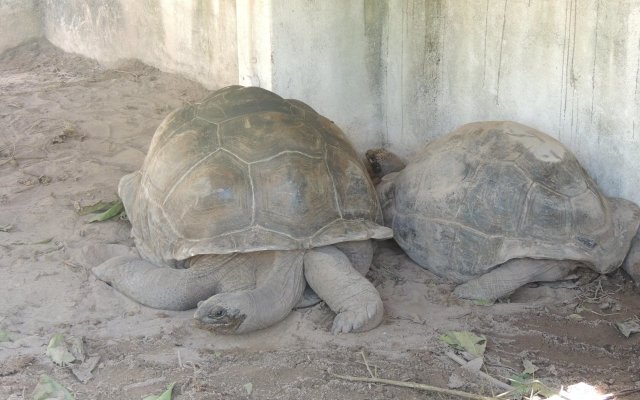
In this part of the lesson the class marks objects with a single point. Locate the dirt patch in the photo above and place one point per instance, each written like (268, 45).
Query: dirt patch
(71, 128)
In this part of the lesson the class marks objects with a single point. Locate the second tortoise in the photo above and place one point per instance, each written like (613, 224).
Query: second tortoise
(495, 205)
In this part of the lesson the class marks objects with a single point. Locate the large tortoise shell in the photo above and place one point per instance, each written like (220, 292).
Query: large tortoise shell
(246, 170)
(493, 191)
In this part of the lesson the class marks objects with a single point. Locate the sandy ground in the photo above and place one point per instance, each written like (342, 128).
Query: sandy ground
(69, 129)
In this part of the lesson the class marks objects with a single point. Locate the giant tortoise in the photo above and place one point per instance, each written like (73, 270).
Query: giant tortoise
(245, 196)
(495, 205)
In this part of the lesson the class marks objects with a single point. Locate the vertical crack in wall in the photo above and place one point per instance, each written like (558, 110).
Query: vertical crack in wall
(572, 77)
(504, 23)
(484, 56)
(567, 78)
(595, 59)
(376, 12)
(402, 72)
(562, 70)
(385, 138)
(441, 50)
(635, 95)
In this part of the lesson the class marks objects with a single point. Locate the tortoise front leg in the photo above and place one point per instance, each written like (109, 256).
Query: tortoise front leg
(360, 253)
(279, 286)
(175, 289)
(351, 296)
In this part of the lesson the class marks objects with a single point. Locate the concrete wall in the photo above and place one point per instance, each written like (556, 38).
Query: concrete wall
(323, 55)
(402, 72)
(19, 22)
(398, 72)
(195, 38)
(569, 68)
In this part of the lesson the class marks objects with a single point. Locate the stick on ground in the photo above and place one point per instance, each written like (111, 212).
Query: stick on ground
(414, 385)
(489, 378)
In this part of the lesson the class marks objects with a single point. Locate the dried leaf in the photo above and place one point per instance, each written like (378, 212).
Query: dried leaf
(83, 371)
(529, 367)
(574, 317)
(77, 348)
(6, 228)
(48, 388)
(628, 327)
(58, 352)
(475, 364)
(466, 341)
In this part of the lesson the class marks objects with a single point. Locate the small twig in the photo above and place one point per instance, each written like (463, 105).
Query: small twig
(366, 364)
(600, 314)
(488, 377)
(414, 385)
(375, 367)
(76, 267)
(6, 228)
(598, 289)
(10, 160)
(135, 76)
(72, 264)
(626, 392)
(179, 359)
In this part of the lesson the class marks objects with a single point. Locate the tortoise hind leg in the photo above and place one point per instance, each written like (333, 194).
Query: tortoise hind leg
(351, 296)
(506, 278)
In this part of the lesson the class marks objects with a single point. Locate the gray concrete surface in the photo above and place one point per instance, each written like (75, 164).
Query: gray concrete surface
(19, 21)
(569, 68)
(194, 38)
(400, 73)
(397, 72)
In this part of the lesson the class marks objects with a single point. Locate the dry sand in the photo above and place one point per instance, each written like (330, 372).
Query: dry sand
(69, 129)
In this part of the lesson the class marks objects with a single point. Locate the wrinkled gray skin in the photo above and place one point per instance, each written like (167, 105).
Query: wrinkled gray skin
(632, 262)
(243, 292)
(496, 205)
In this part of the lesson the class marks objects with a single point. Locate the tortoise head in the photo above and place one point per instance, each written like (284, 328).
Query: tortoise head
(220, 314)
(381, 162)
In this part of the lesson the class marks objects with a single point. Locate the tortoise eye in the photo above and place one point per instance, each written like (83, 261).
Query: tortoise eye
(217, 314)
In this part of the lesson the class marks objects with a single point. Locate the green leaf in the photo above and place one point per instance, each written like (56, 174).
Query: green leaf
(43, 241)
(483, 302)
(114, 211)
(97, 207)
(4, 336)
(525, 386)
(48, 388)
(466, 341)
(529, 367)
(57, 351)
(248, 387)
(167, 395)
